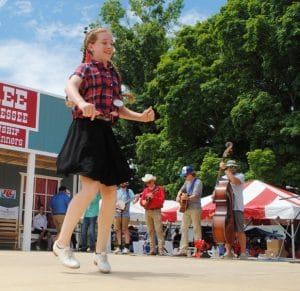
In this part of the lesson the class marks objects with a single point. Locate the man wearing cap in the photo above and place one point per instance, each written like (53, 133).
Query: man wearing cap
(152, 199)
(190, 191)
(236, 181)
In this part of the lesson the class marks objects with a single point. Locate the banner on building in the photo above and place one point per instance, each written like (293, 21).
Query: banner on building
(9, 212)
(13, 136)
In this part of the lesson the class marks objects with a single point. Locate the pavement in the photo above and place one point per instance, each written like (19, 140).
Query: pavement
(41, 271)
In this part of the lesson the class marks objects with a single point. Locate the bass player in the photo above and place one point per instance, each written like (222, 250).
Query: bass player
(236, 180)
(152, 199)
(189, 197)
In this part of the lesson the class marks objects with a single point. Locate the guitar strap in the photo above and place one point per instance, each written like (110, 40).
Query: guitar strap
(156, 188)
(191, 188)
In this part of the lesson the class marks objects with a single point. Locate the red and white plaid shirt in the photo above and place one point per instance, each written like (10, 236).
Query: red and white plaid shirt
(100, 86)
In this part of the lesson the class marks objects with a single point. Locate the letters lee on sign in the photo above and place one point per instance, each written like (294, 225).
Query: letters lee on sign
(18, 106)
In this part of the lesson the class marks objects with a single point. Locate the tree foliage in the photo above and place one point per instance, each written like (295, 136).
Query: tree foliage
(262, 165)
(235, 76)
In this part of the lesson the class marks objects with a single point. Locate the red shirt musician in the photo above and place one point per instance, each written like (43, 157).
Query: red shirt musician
(152, 199)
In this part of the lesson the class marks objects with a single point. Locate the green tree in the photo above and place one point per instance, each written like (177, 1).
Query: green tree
(262, 165)
(226, 79)
(209, 171)
(232, 77)
(256, 117)
(140, 42)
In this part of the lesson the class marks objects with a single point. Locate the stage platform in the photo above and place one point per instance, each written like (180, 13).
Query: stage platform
(41, 271)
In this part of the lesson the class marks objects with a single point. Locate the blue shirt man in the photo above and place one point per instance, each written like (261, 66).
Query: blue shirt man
(59, 205)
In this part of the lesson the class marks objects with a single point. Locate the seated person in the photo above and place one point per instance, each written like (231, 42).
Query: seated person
(176, 239)
(40, 227)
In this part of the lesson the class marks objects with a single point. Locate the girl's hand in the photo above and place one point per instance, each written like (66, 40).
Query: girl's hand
(148, 115)
(88, 109)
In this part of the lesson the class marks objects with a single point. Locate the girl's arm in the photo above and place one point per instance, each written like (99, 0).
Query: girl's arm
(72, 91)
(146, 116)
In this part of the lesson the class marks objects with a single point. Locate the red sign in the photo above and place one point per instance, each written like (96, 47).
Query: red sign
(18, 106)
(12, 136)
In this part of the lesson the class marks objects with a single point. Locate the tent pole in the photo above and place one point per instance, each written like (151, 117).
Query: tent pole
(293, 235)
(290, 235)
(293, 239)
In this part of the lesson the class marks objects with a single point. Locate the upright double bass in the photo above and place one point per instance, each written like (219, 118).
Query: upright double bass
(223, 219)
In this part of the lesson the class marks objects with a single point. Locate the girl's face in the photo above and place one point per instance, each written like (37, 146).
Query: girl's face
(103, 47)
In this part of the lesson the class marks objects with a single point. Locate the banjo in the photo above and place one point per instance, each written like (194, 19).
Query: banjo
(121, 204)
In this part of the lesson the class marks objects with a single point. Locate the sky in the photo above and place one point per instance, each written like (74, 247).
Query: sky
(40, 40)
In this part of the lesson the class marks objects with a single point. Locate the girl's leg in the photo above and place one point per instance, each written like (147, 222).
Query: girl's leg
(106, 214)
(76, 208)
(105, 219)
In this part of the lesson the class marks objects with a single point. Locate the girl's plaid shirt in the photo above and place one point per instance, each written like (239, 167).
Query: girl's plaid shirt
(100, 86)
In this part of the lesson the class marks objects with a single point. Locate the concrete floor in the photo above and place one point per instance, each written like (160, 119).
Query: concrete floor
(41, 271)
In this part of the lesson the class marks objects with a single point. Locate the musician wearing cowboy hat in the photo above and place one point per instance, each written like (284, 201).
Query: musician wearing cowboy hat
(122, 216)
(237, 180)
(152, 199)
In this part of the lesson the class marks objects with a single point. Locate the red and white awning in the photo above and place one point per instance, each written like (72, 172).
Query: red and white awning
(262, 201)
(169, 212)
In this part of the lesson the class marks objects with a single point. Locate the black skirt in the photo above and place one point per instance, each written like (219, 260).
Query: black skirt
(91, 150)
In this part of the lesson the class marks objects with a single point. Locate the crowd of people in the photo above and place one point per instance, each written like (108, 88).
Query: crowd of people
(189, 195)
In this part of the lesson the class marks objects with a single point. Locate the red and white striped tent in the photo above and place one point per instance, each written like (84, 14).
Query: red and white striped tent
(262, 201)
(264, 204)
(169, 211)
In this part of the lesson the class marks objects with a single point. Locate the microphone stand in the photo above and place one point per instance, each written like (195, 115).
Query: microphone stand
(121, 224)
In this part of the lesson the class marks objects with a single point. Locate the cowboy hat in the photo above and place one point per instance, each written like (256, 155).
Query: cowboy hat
(148, 177)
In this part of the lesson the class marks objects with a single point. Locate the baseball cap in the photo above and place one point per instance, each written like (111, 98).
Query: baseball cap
(186, 170)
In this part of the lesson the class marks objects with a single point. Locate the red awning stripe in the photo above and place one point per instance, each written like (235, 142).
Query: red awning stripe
(262, 199)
